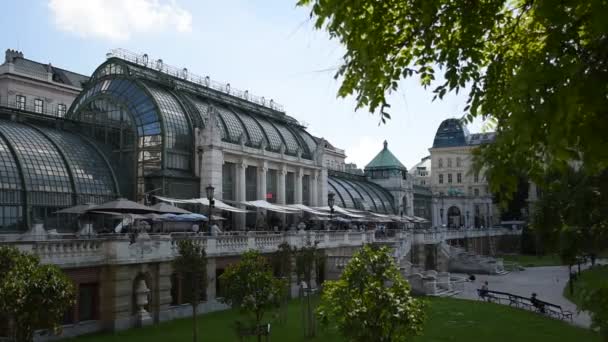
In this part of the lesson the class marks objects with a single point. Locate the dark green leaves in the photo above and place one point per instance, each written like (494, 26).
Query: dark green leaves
(371, 301)
(538, 68)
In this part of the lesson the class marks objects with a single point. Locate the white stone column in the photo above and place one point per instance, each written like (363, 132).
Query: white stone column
(241, 189)
(323, 187)
(314, 197)
(213, 160)
(262, 170)
(281, 172)
(298, 184)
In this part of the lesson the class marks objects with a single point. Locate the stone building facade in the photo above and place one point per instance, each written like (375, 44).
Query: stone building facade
(461, 197)
(36, 87)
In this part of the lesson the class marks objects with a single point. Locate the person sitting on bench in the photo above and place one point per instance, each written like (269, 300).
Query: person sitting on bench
(484, 289)
(540, 306)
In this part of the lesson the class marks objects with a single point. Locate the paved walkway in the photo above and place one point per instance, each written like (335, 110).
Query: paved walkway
(547, 282)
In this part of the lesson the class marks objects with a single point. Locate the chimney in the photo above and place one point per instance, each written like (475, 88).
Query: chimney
(11, 55)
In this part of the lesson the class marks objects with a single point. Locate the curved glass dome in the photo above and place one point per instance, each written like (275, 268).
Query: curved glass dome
(451, 133)
(361, 195)
(45, 169)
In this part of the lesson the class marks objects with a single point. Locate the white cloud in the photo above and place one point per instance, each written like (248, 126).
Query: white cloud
(364, 150)
(117, 20)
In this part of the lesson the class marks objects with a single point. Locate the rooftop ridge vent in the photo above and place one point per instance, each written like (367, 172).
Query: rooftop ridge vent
(183, 74)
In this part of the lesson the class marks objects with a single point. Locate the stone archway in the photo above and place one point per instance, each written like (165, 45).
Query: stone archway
(454, 217)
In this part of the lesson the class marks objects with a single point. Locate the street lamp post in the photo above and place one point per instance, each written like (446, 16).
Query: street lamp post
(210, 190)
(330, 203)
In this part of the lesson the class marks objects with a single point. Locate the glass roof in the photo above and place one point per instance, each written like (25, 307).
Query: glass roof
(9, 174)
(55, 165)
(275, 140)
(233, 124)
(451, 132)
(177, 129)
(51, 161)
(91, 173)
(350, 191)
(290, 140)
(256, 135)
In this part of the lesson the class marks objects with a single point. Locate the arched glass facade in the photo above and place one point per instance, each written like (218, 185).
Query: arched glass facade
(43, 170)
(359, 194)
(146, 120)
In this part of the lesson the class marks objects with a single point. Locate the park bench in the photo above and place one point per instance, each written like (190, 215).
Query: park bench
(542, 307)
(556, 311)
(243, 331)
(488, 296)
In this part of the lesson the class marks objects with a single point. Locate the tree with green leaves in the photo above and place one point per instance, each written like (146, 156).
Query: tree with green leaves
(26, 286)
(191, 266)
(371, 302)
(596, 302)
(309, 263)
(536, 69)
(250, 287)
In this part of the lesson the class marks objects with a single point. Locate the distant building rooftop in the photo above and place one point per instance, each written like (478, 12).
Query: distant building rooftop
(41, 71)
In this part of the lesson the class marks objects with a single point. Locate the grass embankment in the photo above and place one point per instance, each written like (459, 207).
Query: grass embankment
(448, 320)
(533, 260)
(589, 279)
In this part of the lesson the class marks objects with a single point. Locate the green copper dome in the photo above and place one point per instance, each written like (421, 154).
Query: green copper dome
(385, 160)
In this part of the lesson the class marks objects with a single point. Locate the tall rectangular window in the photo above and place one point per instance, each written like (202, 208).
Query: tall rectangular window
(228, 181)
(271, 186)
(251, 186)
(449, 178)
(61, 110)
(440, 179)
(306, 190)
(449, 162)
(87, 302)
(476, 192)
(21, 102)
(476, 177)
(290, 187)
(459, 178)
(38, 105)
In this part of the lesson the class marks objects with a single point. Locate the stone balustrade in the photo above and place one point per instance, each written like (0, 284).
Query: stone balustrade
(119, 249)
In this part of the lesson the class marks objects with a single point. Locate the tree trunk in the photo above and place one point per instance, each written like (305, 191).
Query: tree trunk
(571, 281)
(195, 297)
(194, 328)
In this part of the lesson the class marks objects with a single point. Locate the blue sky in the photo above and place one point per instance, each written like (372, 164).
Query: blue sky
(268, 47)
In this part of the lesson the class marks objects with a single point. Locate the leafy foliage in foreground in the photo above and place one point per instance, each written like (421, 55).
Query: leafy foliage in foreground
(371, 302)
(191, 265)
(250, 286)
(536, 68)
(35, 296)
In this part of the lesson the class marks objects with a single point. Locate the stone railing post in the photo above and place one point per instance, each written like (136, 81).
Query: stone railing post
(250, 241)
(211, 246)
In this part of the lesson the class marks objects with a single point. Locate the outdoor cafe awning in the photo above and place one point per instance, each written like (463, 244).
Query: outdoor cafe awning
(307, 209)
(261, 204)
(341, 211)
(218, 204)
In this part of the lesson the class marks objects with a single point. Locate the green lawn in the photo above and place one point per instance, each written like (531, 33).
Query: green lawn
(588, 280)
(533, 260)
(449, 320)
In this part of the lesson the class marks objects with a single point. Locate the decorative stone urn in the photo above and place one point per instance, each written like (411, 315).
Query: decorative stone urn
(142, 316)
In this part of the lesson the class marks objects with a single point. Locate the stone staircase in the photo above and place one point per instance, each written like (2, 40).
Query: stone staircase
(462, 261)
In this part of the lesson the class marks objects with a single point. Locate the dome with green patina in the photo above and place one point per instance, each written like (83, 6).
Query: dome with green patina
(385, 160)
